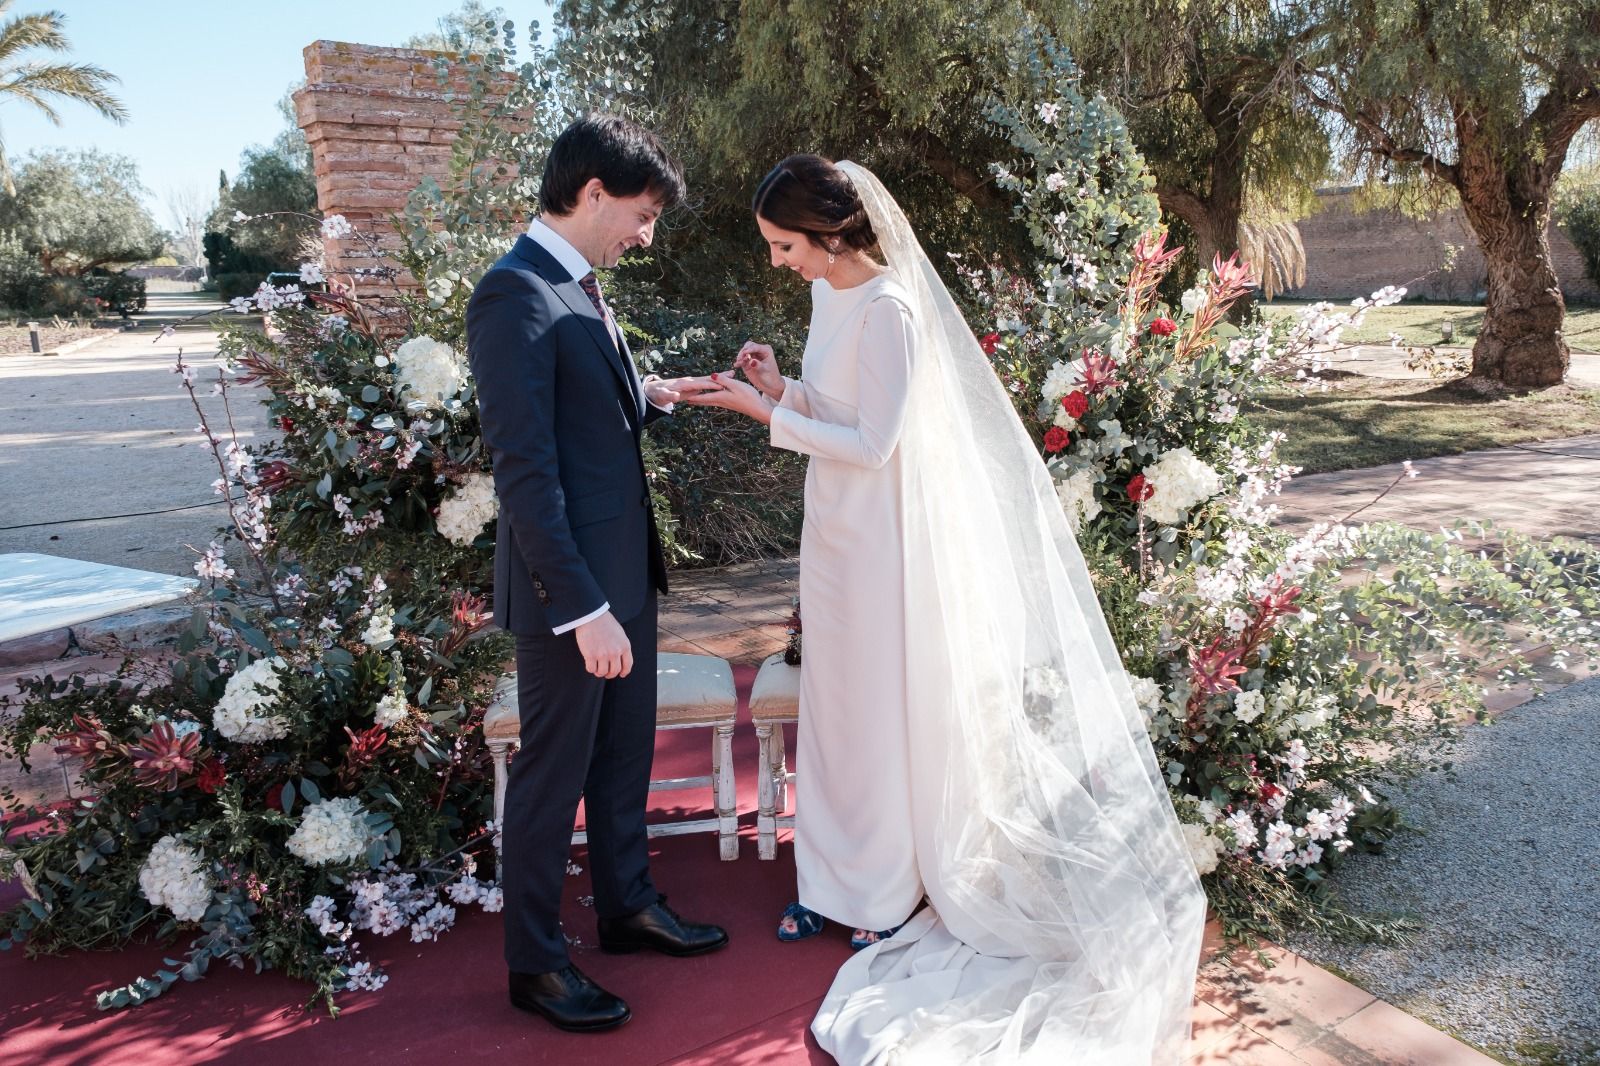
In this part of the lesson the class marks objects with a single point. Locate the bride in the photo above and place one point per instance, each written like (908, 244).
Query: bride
(967, 733)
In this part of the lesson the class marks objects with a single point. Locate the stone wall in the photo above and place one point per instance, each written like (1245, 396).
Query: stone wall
(378, 123)
(1350, 254)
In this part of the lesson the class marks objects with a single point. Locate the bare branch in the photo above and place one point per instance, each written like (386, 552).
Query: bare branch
(1382, 142)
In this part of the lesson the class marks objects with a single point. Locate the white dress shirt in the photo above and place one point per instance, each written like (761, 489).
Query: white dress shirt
(573, 262)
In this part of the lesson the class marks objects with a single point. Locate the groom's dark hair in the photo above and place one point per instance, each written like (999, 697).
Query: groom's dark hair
(627, 158)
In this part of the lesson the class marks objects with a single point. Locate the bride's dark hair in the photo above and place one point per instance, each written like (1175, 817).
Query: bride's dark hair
(808, 194)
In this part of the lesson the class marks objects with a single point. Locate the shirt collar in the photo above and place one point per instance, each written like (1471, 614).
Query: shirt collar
(571, 260)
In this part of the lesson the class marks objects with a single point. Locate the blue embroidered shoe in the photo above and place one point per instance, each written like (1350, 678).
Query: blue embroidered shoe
(864, 938)
(798, 923)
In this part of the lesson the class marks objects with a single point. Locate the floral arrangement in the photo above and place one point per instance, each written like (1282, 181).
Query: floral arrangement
(1284, 677)
(309, 767)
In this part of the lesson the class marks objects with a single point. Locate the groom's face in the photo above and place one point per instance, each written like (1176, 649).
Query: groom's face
(618, 224)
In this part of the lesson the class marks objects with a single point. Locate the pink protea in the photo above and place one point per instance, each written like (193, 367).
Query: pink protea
(91, 742)
(161, 757)
(1099, 372)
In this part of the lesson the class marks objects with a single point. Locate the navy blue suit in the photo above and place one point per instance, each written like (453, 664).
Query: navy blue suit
(562, 410)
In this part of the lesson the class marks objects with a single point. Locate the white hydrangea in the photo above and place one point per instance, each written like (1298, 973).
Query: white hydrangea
(331, 831)
(1180, 481)
(174, 876)
(464, 513)
(244, 714)
(1078, 499)
(429, 372)
(1147, 694)
(1204, 849)
(390, 710)
(1193, 300)
(1062, 377)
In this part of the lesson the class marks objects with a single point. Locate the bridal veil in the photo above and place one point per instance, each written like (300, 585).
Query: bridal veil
(1066, 916)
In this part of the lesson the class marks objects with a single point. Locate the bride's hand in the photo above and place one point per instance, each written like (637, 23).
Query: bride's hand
(761, 367)
(665, 391)
(735, 395)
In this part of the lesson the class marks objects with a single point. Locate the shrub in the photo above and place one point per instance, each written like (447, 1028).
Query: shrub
(229, 286)
(118, 291)
(1576, 207)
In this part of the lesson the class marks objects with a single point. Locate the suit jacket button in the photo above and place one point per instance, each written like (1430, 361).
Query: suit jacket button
(644, 501)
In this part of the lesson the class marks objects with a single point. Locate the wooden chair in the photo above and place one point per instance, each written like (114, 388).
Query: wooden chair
(774, 701)
(693, 692)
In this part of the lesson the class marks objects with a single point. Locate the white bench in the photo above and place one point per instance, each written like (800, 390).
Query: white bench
(693, 692)
(774, 701)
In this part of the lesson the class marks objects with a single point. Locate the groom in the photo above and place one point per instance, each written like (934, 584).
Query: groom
(578, 562)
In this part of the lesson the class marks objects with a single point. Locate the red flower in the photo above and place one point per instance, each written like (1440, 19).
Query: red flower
(276, 476)
(365, 747)
(1163, 327)
(1139, 489)
(1055, 439)
(989, 342)
(1075, 403)
(211, 777)
(286, 424)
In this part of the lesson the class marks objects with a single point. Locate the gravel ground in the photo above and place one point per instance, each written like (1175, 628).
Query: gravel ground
(14, 340)
(1503, 878)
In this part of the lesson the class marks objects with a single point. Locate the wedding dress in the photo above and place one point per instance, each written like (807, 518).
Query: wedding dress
(1005, 762)
(855, 862)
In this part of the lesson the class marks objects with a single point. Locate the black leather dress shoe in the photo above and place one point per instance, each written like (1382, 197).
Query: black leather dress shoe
(568, 1000)
(658, 927)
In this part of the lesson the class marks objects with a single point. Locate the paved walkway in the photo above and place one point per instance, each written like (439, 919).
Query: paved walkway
(1546, 489)
(1382, 361)
(98, 455)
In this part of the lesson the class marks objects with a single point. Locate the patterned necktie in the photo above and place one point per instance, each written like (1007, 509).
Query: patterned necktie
(591, 288)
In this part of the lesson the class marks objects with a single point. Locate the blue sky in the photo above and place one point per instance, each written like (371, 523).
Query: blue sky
(202, 79)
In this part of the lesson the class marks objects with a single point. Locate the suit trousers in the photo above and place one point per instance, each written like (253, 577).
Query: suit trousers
(582, 736)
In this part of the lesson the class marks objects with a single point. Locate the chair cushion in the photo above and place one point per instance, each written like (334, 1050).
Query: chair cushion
(690, 690)
(693, 688)
(776, 695)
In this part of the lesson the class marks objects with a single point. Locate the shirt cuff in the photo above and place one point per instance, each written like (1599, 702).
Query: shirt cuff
(604, 607)
(645, 388)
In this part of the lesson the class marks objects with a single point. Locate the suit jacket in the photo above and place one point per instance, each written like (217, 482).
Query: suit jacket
(561, 413)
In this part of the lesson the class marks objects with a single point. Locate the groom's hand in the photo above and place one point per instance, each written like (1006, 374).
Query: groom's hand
(663, 392)
(605, 648)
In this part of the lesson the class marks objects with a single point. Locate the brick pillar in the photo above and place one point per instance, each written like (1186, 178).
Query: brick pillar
(378, 123)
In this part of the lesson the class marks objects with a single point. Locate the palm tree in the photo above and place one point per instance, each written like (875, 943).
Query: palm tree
(42, 84)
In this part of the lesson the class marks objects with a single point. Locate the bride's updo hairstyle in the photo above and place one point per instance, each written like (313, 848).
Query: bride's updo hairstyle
(808, 194)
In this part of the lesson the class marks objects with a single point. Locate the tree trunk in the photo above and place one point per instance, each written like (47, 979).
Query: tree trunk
(1521, 342)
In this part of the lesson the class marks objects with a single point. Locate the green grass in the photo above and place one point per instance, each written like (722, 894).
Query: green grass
(1418, 323)
(1363, 421)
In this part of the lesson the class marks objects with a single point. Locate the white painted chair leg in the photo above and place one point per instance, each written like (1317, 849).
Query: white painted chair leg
(780, 770)
(766, 815)
(725, 794)
(499, 751)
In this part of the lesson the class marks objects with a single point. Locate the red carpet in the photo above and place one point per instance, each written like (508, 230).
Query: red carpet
(750, 1003)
